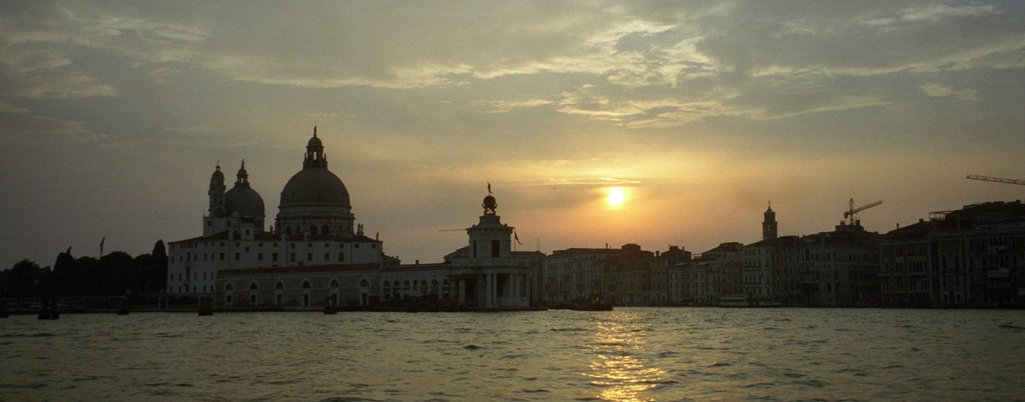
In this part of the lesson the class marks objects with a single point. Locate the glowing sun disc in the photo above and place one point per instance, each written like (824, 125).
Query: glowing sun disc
(616, 196)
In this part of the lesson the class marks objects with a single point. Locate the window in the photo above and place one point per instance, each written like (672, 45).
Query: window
(309, 256)
(259, 256)
(341, 257)
(291, 257)
(495, 247)
(237, 256)
(327, 257)
(274, 257)
(222, 257)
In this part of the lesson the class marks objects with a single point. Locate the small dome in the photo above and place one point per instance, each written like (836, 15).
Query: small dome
(489, 204)
(315, 186)
(244, 200)
(314, 142)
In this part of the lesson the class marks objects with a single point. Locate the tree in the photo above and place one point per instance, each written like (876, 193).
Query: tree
(23, 279)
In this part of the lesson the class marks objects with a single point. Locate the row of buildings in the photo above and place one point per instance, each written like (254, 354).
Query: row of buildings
(315, 255)
(971, 257)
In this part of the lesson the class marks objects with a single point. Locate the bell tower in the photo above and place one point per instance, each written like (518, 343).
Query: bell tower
(217, 211)
(769, 224)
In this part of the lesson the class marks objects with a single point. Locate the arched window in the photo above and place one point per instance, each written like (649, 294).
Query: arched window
(229, 287)
(334, 283)
(288, 230)
(364, 283)
(306, 284)
(279, 293)
(325, 230)
(253, 286)
(313, 229)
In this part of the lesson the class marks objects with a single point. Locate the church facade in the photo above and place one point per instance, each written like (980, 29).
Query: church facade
(315, 255)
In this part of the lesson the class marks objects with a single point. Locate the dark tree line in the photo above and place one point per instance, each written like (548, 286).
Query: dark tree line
(114, 274)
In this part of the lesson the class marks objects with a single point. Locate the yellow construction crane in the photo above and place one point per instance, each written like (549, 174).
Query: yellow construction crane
(849, 214)
(996, 179)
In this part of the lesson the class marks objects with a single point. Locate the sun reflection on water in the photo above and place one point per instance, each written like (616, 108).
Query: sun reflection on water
(618, 366)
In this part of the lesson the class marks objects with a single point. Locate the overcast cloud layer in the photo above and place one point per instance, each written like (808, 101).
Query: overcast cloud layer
(113, 116)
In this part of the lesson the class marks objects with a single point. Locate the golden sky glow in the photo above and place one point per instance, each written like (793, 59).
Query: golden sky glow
(113, 116)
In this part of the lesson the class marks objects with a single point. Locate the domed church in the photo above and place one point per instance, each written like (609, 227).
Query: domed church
(314, 226)
(316, 256)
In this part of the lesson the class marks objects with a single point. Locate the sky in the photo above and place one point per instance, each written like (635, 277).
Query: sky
(113, 115)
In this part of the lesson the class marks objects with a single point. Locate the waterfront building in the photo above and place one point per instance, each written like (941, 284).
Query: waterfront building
(840, 268)
(757, 271)
(316, 255)
(617, 276)
(629, 277)
(663, 278)
(972, 257)
(712, 276)
(484, 275)
(314, 226)
(772, 270)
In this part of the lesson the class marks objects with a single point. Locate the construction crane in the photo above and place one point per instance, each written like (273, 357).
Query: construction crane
(849, 214)
(996, 179)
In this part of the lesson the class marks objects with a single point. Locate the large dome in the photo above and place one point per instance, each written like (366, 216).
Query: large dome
(244, 200)
(315, 186)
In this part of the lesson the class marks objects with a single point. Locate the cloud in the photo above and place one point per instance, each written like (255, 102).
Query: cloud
(934, 89)
(43, 74)
(937, 12)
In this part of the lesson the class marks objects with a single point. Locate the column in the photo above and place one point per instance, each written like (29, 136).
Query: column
(515, 285)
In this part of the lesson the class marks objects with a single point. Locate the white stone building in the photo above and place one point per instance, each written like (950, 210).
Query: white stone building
(314, 226)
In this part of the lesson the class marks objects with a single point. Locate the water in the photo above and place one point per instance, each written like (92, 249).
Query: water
(627, 354)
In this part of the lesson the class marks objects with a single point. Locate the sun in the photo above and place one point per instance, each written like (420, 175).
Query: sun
(616, 196)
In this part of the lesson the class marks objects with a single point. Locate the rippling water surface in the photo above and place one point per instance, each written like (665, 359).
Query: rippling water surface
(627, 354)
